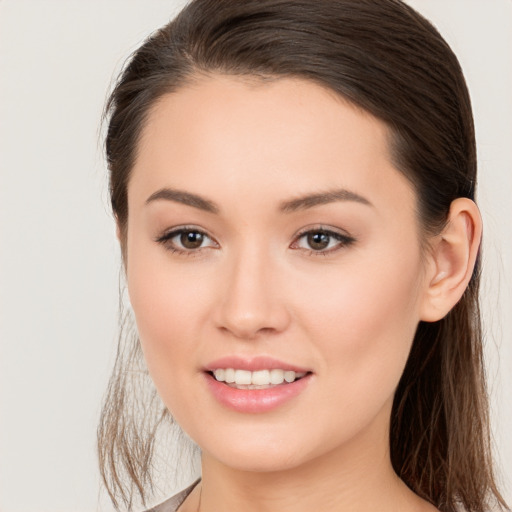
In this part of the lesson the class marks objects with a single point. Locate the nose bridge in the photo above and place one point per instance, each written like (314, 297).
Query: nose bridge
(251, 303)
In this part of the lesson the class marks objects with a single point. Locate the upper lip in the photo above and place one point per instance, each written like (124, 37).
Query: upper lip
(253, 364)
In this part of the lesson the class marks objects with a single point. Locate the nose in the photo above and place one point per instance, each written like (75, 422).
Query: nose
(251, 301)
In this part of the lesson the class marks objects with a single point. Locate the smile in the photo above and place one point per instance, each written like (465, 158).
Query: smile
(255, 390)
(260, 379)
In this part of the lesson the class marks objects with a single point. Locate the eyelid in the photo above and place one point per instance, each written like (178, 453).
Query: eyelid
(343, 238)
(169, 234)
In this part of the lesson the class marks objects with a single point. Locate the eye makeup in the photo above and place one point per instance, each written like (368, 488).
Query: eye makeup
(191, 240)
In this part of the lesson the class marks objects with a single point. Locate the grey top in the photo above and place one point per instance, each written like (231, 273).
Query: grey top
(172, 504)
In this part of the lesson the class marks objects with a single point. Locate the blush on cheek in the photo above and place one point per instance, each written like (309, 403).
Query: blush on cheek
(369, 318)
(167, 303)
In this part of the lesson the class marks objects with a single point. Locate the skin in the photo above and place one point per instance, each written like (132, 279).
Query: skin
(255, 287)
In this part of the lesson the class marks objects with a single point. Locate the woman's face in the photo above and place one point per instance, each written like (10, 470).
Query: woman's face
(268, 233)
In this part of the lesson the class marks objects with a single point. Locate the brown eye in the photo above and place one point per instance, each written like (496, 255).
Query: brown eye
(322, 241)
(191, 239)
(186, 241)
(318, 240)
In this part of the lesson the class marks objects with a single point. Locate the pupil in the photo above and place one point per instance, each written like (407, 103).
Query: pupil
(191, 239)
(318, 240)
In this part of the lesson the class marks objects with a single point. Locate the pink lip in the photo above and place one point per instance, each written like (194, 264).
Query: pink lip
(254, 400)
(253, 364)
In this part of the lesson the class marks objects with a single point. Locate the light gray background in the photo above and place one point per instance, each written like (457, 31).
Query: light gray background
(59, 260)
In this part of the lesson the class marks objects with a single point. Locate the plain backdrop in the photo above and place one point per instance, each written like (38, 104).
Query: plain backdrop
(59, 261)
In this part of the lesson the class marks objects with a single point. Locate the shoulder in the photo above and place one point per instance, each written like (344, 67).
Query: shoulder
(172, 504)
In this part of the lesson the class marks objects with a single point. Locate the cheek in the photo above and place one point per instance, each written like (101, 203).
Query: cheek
(168, 304)
(162, 301)
(364, 321)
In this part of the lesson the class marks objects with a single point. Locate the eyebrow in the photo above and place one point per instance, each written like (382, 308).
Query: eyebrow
(180, 196)
(311, 200)
(290, 206)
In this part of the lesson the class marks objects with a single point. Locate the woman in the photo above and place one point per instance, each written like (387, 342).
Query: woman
(293, 184)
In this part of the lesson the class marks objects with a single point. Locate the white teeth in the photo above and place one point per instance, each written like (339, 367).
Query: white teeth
(220, 374)
(229, 375)
(255, 380)
(289, 376)
(261, 377)
(276, 376)
(243, 377)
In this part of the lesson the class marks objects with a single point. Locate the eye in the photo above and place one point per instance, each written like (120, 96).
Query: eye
(322, 241)
(186, 240)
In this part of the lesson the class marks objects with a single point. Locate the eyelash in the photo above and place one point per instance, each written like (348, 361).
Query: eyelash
(344, 241)
(166, 238)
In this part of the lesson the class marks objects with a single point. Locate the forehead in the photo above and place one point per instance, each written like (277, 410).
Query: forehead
(235, 138)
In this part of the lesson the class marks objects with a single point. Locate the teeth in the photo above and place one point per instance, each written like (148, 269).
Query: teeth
(220, 375)
(229, 375)
(261, 377)
(257, 379)
(242, 377)
(276, 376)
(289, 376)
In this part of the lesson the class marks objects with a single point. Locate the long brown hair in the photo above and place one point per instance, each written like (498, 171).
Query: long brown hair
(384, 57)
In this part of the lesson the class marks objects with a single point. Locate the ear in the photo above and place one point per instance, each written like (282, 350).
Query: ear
(453, 258)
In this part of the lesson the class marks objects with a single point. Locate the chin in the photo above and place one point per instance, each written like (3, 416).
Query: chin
(263, 452)
(265, 460)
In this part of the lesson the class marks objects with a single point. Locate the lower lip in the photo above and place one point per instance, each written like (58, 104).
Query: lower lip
(255, 400)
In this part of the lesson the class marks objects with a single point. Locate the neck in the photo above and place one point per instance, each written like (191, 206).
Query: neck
(355, 477)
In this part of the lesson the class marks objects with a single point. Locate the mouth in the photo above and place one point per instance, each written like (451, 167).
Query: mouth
(255, 385)
(260, 379)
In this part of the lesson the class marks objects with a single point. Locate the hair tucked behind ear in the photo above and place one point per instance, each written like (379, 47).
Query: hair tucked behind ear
(384, 57)
(443, 452)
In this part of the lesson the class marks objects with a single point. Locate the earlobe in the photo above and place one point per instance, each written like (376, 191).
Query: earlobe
(454, 254)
